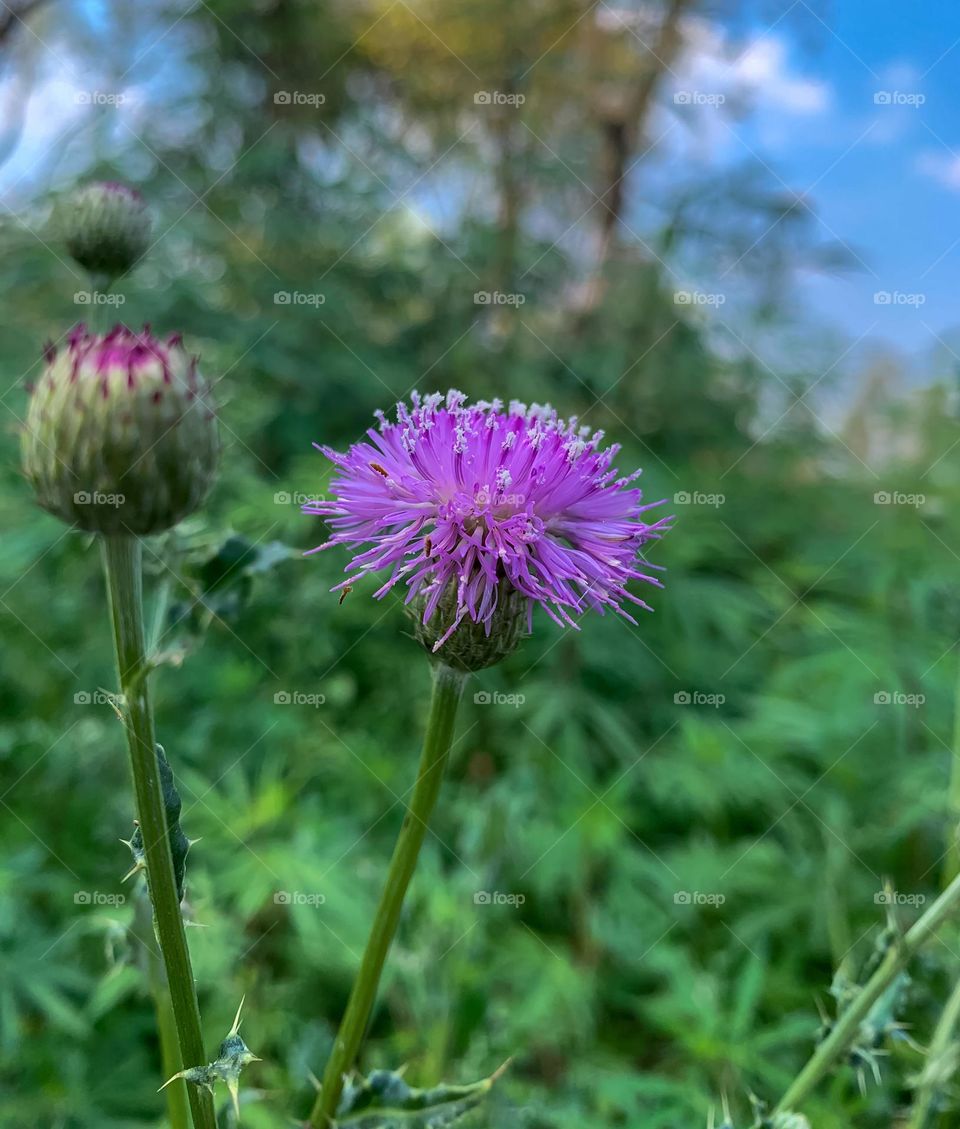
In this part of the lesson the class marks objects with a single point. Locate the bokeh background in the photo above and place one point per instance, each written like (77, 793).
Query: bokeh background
(727, 234)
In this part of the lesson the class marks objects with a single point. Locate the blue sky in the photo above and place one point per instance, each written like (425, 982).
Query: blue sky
(885, 177)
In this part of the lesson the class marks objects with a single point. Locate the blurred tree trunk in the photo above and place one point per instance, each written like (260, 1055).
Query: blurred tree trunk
(622, 115)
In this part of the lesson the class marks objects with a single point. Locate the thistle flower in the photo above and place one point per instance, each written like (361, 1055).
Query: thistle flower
(481, 511)
(120, 435)
(106, 227)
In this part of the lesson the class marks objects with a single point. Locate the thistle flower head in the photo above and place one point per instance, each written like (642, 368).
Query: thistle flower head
(106, 227)
(120, 434)
(474, 506)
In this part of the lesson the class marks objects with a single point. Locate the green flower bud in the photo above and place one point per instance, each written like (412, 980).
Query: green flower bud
(107, 228)
(120, 436)
(472, 646)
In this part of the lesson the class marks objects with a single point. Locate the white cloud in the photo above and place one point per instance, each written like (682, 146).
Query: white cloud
(758, 72)
(944, 168)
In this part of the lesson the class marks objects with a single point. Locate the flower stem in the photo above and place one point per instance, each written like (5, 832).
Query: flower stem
(178, 1114)
(122, 565)
(934, 1075)
(848, 1023)
(447, 688)
(952, 861)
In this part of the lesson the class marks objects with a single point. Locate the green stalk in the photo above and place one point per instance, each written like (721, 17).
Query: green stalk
(951, 866)
(178, 1112)
(122, 565)
(447, 688)
(934, 1075)
(848, 1023)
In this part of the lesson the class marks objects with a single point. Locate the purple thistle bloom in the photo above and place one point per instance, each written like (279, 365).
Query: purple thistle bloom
(467, 497)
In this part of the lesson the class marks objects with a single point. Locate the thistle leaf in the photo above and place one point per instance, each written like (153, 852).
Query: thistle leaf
(179, 843)
(383, 1100)
(233, 1056)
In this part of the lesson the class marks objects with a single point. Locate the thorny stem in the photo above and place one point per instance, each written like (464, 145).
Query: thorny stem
(447, 688)
(848, 1023)
(176, 1095)
(122, 566)
(934, 1072)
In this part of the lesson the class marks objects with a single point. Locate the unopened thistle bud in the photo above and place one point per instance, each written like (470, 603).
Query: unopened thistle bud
(472, 646)
(106, 227)
(121, 436)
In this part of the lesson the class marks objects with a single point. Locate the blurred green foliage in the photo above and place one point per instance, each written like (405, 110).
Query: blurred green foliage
(698, 812)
